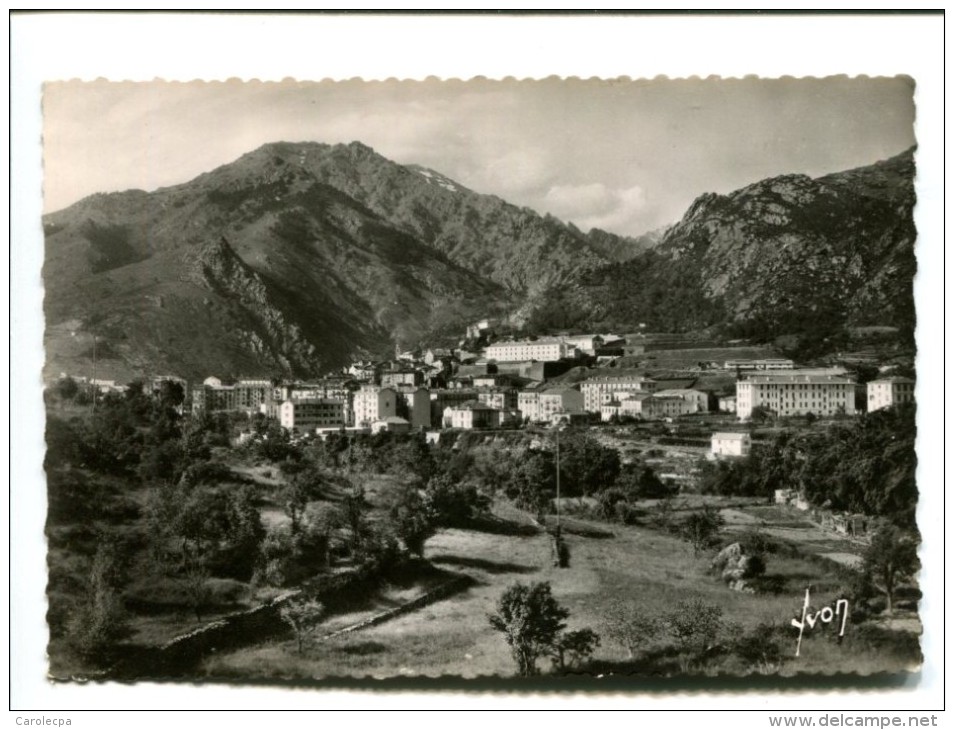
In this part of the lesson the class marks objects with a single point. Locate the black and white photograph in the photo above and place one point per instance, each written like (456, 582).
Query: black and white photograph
(525, 380)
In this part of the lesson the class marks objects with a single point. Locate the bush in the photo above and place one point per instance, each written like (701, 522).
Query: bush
(631, 627)
(760, 649)
(627, 513)
(695, 625)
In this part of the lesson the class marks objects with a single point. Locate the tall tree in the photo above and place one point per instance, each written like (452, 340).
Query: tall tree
(890, 560)
(531, 620)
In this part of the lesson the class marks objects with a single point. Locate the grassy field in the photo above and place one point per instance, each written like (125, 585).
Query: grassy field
(635, 566)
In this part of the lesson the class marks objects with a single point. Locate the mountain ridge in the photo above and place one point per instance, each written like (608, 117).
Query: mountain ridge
(297, 257)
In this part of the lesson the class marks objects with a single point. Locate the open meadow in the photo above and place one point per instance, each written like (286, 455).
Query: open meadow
(635, 566)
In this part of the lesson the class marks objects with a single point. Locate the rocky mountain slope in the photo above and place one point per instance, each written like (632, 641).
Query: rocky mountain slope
(297, 257)
(787, 255)
(291, 260)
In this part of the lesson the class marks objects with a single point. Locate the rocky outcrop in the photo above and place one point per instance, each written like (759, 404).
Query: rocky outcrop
(274, 336)
(736, 568)
(789, 255)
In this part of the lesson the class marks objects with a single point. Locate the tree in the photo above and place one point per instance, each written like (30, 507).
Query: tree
(573, 647)
(630, 626)
(354, 509)
(303, 617)
(532, 482)
(891, 559)
(694, 625)
(196, 575)
(413, 519)
(66, 388)
(531, 620)
(100, 620)
(453, 502)
(302, 486)
(586, 465)
(700, 529)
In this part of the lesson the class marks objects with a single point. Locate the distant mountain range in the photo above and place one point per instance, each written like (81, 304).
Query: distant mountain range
(297, 257)
(789, 255)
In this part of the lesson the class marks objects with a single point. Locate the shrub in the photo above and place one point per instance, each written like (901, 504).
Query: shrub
(760, 649)
(694, 625)
(631, 627)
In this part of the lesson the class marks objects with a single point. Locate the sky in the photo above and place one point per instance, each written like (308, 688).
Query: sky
(627, 156)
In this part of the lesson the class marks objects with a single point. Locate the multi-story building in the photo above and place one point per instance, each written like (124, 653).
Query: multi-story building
(890, 391)
(442, 398)
(364, 371)
(731, 444)
(245, 395)
(471, 415)
(303, 416)
(403, 376)
(373, 403)
(501, 398)
(559, 400)
(528, 401)
(795, 394)
(698, 400)
(597, 391)
(250, 394)
(769, 363)
(415, 405)
(522, 350)
(587, 344)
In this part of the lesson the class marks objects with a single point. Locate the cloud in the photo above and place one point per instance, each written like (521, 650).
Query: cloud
(595, 205)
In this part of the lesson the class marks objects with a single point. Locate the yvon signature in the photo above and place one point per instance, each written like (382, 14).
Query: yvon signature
(825, 615)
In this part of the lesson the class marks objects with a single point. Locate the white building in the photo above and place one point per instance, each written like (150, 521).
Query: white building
(471, 415)
(303, 416)
(559, 400)
(373, 403)
(545, 350)
(698, 400)
(891, 391)
(597, 391)
(731, 444)
(499, 398)
(392, 424)
(528, 401)
(795, 394)
(769, 363)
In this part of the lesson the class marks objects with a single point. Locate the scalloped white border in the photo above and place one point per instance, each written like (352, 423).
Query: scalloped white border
(144, 47)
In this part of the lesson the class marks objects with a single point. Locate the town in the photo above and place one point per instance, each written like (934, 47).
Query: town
(580, 378)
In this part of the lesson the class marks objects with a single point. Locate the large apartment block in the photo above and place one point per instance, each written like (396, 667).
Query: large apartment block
(523, 350)
(886, 392)
(244, 395)
(792, 394)
(302, 416)
(373, 403)
(597, 391)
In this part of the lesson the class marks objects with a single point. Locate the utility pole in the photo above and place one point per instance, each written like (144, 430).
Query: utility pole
(93, 378)
(558, 481)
